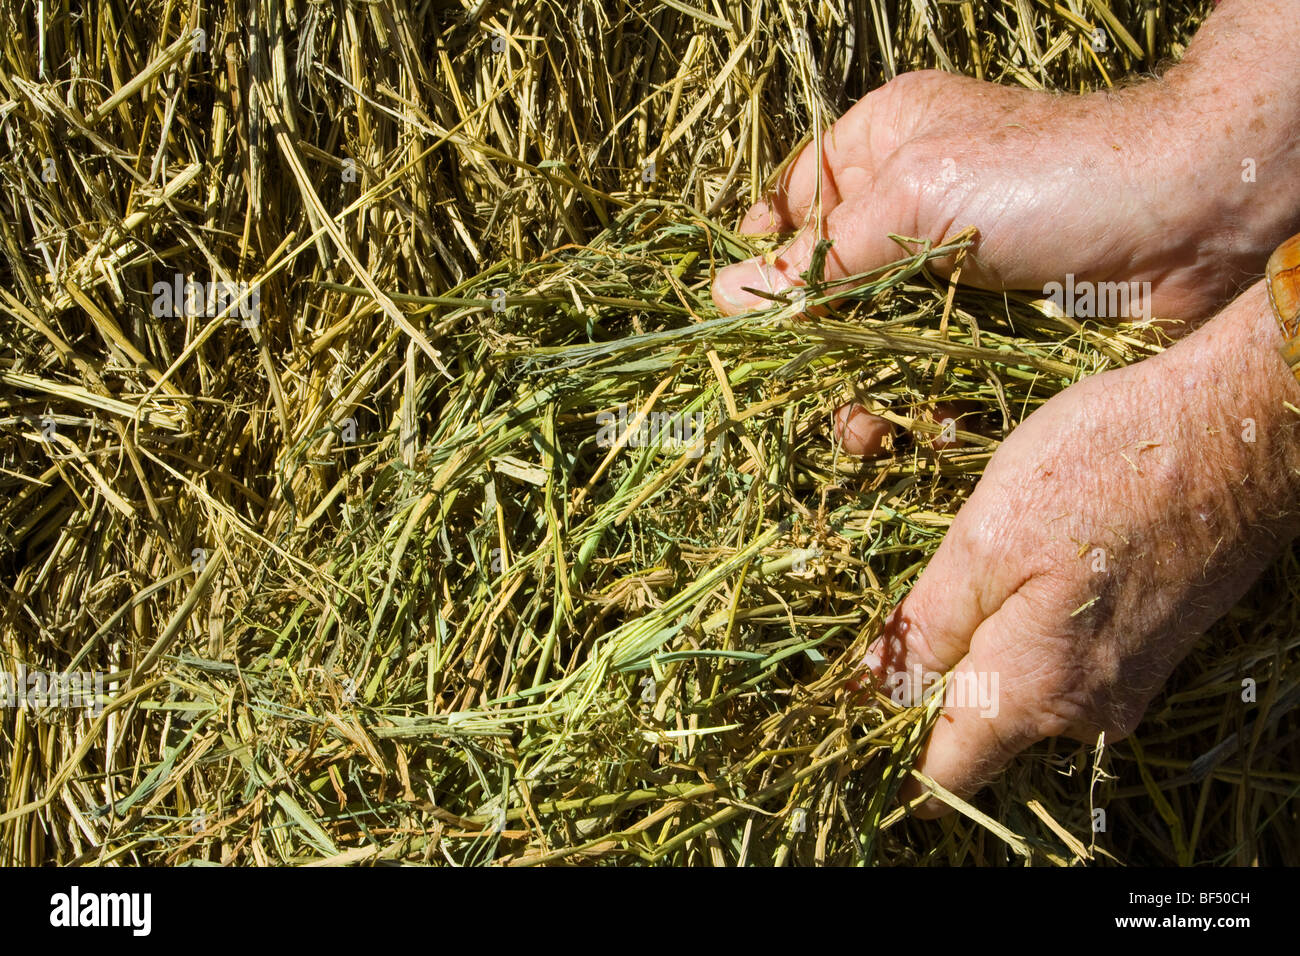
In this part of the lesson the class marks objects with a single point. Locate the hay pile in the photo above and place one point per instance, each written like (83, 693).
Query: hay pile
(364, 574)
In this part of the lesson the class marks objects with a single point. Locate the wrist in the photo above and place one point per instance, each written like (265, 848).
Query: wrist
(1209, 176)
(1231, 373)
(1231, 114)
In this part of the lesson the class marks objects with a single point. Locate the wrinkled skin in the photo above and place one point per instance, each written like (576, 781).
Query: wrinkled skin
(1126, 515)
(1055, 185)
(1111, 498)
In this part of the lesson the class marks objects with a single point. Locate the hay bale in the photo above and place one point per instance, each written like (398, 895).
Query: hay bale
(327, 333)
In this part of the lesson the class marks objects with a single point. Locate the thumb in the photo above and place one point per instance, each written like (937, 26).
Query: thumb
(988, 715)
(859, 243)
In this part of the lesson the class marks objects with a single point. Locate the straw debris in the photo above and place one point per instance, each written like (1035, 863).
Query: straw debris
(365, 581)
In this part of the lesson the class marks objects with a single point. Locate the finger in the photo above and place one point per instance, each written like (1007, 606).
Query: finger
(860, 242)
(788, 205)
(987, 719)
(975, 570)
(847, 162)
(930, 630)
(860, 432)
(951, 416)
(766, 216)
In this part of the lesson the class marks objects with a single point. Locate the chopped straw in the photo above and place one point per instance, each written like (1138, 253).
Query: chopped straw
(365, 581)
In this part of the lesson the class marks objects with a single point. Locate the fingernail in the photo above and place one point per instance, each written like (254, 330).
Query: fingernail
(730, 283)
(728, 287)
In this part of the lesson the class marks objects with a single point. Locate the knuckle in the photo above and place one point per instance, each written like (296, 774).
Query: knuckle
(916, 80)
(1084, 701)
(1063, 704)
(1051, 725)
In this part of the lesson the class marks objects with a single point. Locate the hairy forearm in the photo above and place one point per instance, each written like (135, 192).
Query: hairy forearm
(1232, 106)
(1230, 375)
(1255, 35)
(1234, 112)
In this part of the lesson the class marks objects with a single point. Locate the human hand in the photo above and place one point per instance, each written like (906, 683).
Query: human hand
(1108, 532)
(1186, 182)
(1090, 185)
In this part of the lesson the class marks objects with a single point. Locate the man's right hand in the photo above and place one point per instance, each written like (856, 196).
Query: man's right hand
(1185, 182)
